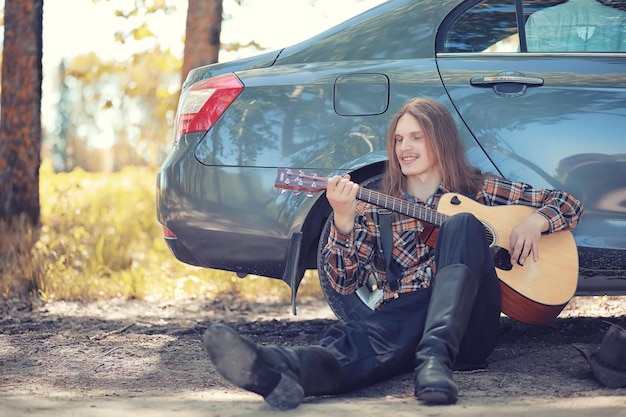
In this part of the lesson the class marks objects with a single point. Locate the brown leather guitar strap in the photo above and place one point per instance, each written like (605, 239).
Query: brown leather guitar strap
(429, 234)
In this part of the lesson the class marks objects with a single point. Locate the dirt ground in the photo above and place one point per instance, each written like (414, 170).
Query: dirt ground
(65, 358)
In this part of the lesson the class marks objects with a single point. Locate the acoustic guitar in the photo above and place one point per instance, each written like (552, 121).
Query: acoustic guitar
(532, 294)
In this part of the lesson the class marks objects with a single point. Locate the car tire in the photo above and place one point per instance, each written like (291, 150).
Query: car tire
(353, 306)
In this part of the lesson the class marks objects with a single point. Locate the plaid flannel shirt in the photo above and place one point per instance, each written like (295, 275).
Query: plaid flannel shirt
(351, 259)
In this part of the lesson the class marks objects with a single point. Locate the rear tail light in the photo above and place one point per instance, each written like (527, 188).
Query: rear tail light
(204, 102)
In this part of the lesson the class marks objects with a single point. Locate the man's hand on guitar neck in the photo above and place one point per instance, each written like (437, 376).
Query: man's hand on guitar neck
(341, 195)
(525, 238)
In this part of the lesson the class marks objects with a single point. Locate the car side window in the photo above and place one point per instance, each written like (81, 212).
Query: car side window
(578, 26)
(488, 26)
(492, 26)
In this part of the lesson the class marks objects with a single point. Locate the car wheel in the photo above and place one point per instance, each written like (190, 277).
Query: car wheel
(352, 306)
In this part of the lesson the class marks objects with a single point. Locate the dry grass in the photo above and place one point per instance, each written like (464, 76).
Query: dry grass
(21, 273)
(100, 239)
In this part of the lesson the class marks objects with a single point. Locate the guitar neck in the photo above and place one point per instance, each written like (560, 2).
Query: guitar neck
(401, 206)
(299, 181)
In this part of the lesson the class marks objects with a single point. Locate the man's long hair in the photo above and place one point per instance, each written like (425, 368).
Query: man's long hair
(443, 138)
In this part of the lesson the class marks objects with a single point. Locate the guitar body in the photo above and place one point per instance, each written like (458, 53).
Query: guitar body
(538, 291)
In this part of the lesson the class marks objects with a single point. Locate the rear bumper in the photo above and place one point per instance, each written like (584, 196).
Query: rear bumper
(181, 253)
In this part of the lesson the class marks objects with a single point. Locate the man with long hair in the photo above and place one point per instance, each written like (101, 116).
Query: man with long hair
(441, 309)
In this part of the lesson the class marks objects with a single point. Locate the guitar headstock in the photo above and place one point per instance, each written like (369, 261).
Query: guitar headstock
(288, 178)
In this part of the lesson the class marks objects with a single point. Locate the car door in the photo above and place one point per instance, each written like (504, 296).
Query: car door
(552, 112)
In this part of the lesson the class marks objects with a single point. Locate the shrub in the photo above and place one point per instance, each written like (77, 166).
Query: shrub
(100, 239)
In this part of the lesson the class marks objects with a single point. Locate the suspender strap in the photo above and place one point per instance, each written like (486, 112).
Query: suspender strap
(384, 221)
(386, 238)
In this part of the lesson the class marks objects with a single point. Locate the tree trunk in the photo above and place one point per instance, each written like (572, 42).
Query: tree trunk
(202, 39)
(20, 110)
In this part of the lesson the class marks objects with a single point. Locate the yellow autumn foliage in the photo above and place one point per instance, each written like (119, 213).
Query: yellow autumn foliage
(100, 239)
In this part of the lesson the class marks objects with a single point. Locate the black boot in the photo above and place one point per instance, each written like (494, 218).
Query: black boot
(283, 376)
(451, 303)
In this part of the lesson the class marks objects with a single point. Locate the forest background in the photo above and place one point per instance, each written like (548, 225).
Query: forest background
(79, 157)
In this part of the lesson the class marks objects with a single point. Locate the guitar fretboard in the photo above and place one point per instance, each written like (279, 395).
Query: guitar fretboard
(401, 206)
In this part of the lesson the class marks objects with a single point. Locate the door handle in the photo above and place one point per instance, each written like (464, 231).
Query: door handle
(507, 83)
(506, 77)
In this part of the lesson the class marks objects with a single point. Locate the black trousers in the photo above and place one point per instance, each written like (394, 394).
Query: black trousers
(383, 344)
